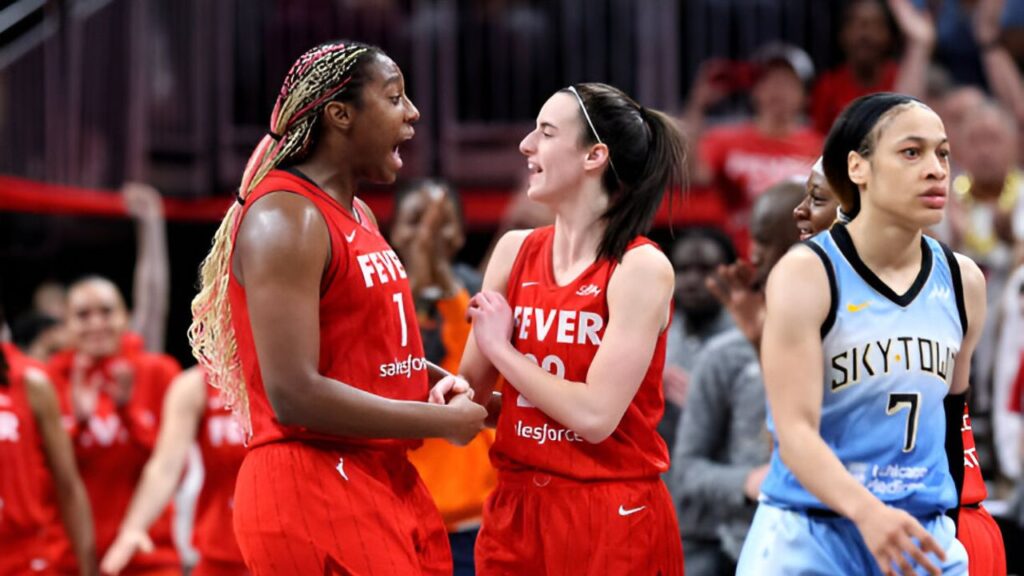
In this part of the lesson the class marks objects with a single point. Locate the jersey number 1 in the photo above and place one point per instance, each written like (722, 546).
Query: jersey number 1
(898, 402)
(397, 298)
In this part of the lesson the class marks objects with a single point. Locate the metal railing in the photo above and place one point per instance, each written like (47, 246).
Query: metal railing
(177, 92)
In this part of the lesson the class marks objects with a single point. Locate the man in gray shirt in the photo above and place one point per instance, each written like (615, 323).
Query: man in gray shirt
(698, 317)
(722, 447)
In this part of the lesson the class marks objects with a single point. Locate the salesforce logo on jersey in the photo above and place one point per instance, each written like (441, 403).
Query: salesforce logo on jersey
(403, 367)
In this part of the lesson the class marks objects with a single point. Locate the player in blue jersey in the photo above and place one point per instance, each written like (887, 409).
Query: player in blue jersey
(869, 326)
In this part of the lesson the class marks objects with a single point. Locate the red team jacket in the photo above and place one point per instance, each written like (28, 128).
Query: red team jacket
(222, 446)
(24, 477)
(368, 333)
(560, 328)
(111, 450)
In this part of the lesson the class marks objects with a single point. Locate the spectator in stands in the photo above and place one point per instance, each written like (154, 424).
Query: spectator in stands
(698, 315)
(866, 39)
(427, 232)
(985, 220)
(959, 47)
(744, 159)
(722, 448)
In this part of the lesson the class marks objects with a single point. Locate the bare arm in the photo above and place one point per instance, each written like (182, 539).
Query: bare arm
(182, 411)
(918, 32)
(638, 301)
(798, 301)
(475, 367)
(280, 254)
(1000, 69)
(704, 94)
(152, 282)
(72, 499)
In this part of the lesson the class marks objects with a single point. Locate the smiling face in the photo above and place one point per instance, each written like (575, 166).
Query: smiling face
(817, 210)
(907, 172)
(554, 155)
(96, 317)
(382, 120)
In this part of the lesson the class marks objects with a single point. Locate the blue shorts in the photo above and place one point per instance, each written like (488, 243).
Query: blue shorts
(788, 542)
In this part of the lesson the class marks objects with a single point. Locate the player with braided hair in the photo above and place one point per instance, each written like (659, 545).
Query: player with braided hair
(305, 321)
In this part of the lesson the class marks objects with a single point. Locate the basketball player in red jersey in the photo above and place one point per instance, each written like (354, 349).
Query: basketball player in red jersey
(35, 454)
(193, 412)
(573, 316)
(305, 320)
(112, 391)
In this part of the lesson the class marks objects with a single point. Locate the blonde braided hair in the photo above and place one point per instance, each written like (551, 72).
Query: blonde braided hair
(331, 71)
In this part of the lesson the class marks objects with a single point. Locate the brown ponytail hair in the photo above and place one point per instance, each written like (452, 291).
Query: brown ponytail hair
(646, 156)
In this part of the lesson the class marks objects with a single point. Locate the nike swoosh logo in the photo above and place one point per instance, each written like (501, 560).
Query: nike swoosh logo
(858, 307)
(350, 237)
(526, 284)
(624, 512)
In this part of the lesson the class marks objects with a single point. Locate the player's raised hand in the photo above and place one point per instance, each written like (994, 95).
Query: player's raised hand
(892, 536)
(449, 385)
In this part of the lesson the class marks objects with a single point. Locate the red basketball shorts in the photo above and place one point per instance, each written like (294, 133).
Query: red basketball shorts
(980, 535)
(544, 526)
(304, 509)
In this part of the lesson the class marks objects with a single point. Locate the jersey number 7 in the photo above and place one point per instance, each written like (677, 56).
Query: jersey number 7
(898, 402)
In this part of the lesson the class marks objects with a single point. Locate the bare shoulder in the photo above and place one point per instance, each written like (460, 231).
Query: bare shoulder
(502, 259)
(646, 263)
(509, 244)
(971, 275)
(285, 231)
(189, 387)
(39, 390)
(275, 214)
(975, 292)
(37, 381)
(799, 284)
(643, 282)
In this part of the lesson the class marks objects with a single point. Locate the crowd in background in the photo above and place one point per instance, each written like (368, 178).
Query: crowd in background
(106, 356)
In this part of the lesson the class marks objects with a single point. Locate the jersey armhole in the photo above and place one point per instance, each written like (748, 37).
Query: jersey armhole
(958, 285)
(519, 261)
(953, 406)
(833, 289)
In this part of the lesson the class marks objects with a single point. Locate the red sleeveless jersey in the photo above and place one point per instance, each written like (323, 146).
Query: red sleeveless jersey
(560, 328)
(974, 491)
(368, 333)
(222, 446)
(112, 447)
(24, 476)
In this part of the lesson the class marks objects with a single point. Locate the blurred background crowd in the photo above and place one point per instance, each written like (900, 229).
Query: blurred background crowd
(127, 123)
